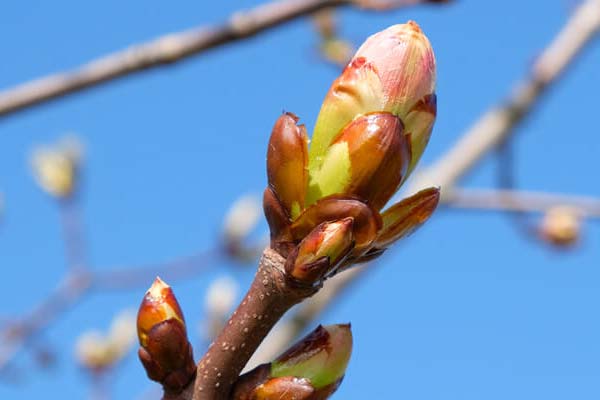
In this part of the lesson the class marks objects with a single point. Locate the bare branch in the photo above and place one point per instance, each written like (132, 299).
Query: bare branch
(270, 296)
(520, 201)
(165, 50)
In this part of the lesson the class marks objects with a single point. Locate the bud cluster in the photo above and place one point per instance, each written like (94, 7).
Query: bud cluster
(323, 204)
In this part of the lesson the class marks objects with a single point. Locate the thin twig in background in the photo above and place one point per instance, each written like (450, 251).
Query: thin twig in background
(77, 283)
(520, 201)
(71, 221)
(129, 277)
(491, 129)
(166, 50)
(17, 334)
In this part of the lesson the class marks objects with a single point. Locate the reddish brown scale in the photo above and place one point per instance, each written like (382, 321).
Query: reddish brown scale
(317, 341)
(287, 159)
(279, 223)
(379, 156)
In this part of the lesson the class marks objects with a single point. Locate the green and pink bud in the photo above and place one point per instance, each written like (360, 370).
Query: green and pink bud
(372, 129)
(393, 71)
(165, 350)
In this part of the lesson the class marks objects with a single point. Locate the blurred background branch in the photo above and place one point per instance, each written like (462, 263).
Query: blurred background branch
(169, 49)
(520, 201)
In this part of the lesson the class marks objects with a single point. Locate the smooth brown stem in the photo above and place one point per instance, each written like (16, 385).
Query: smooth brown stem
(270, 296)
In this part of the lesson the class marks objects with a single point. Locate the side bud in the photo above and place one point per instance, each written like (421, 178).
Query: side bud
(165, 351)
(287, 159)
(366, 221)
(321, 358)
(312, 369)
(406, 216)
(321, 252)
(393, 71)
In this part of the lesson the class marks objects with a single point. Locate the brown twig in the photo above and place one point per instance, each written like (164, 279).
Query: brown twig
(305, 314)
(270, 296)
(165, 50)
(520, 201)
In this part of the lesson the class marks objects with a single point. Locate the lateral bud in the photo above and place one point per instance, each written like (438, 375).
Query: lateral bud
(321, 252)
(165, 350)
(311, 369)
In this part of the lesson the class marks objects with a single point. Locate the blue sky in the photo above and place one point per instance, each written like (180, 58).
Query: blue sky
(466, 309)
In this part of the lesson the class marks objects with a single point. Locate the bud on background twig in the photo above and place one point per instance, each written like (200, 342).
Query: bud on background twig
(55, 168)
(561, 226)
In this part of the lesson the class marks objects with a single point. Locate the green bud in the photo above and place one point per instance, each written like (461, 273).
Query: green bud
(321, 357)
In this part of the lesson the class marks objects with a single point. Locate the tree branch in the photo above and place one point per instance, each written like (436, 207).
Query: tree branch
(270, 296)
(165, 50)
(519, 201)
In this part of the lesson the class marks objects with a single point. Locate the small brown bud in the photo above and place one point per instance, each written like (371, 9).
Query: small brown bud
(321, 252)
(165, 351)
(287, 159)
(366, 221)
